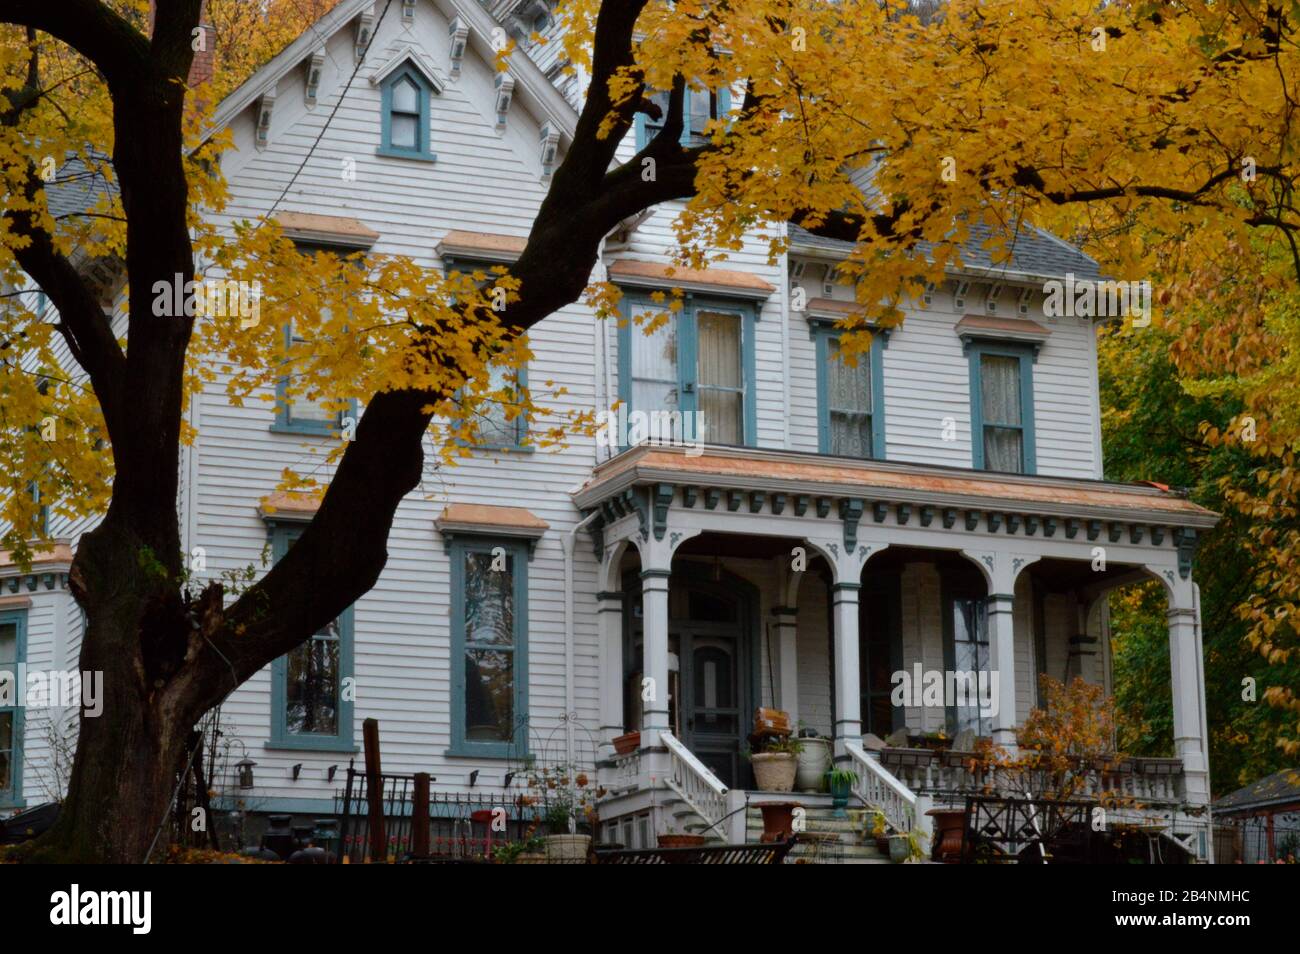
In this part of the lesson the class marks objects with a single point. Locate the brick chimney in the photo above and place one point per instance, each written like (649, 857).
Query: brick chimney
(203, 66)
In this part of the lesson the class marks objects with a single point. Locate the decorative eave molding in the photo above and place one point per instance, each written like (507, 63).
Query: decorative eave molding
(315, 70)
(505, 86)
(365, 25)
(265, 113)
(48, 571)
(460, 244)
(897, 505)
(288, 507)
(316, 229)
(550, 137)
(459, 32)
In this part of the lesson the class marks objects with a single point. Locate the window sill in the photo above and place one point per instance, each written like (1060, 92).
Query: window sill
(305, 430)
(324, 744)
(390, 153)
(492, 751)
(7, 803)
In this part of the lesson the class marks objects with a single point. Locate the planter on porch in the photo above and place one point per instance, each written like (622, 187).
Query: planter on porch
(814, 762)
(948, 825)
(840, 782)
(774, 771)
(627, 743)
(778, 820)
(567, 849)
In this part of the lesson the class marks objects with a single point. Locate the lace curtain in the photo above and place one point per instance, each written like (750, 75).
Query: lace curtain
(848, 397)
(1000, 398)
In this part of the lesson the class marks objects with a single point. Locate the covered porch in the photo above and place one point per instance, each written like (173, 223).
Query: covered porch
(827, 588)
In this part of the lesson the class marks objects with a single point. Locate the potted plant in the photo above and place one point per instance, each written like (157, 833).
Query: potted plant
(563, 806)
(778, 820)
(814, 762)
(528, 851)
(627, 743)
(840, 781)
(775, 766)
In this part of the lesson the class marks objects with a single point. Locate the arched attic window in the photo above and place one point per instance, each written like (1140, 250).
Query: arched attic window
(406, 94)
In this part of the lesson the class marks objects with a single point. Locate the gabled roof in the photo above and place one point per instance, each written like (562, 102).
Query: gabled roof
(533, 87)
(1036, 255)
(1280, 788)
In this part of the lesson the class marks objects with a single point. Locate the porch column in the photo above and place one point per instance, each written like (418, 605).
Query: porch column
(1002, 652)
(848, 695)
(609, 627)
(1187, 683)
(654, 694)
(787, 679)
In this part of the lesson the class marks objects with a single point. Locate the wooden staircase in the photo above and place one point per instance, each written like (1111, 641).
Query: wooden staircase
(827, 840)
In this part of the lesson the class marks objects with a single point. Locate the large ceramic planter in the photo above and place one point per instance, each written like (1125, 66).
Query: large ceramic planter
(778, 820)
(814, 760)
(948, 825)
(899, 849)
(774, 771)
(839, 795)
(627, 743)
(567, 849)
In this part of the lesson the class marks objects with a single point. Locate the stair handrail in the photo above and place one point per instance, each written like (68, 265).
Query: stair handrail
(879, 788)
(694, 783)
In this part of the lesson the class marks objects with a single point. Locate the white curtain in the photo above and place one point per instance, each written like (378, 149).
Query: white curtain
(848, 398)
(1000, 399)
(720, 377)
(654, 365)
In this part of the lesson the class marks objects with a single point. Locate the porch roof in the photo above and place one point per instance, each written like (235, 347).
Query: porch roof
(791, 472)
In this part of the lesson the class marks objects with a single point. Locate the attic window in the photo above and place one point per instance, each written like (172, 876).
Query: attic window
(406, 94)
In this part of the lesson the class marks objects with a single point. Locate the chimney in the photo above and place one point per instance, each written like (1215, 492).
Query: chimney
(202, 67)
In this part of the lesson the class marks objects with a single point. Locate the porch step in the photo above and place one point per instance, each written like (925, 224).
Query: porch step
(828, 840)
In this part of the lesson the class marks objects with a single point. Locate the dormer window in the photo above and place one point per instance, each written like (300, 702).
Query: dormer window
(406, 93)
(702, 106)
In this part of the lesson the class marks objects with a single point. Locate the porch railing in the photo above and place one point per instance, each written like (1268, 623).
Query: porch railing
(878, 788)
(695, 784)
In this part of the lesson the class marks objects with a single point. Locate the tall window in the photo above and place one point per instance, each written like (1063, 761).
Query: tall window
(851, 420)
(693, 376)
(496, 428)
(1002, 408)
(968, 652)
(489, 606)
(13, 633)
(308, 413)
(311, 691)
(405, 97)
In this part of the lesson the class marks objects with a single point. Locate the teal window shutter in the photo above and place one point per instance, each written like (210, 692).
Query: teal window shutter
(312, 685)
(489, 647)
(1002, 407)
(13, 653)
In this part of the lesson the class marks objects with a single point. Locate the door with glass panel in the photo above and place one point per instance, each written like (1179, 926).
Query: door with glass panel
(720, 376)
(712, 714)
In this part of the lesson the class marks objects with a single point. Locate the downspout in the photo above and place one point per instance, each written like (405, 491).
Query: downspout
(1205, 729)
(570, 540)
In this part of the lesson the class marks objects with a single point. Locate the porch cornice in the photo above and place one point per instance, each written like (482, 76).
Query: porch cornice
(1081, 505)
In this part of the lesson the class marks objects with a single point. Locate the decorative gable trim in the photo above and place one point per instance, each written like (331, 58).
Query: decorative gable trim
(505, 84)
(459, 32)
(550, 148)
(315, 69)
(265, 112)
(409, 53)
(365, 31)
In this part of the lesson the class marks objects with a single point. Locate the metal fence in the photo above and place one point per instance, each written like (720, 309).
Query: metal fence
(463, 827)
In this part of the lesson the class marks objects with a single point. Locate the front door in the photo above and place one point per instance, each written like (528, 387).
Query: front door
(712, 714)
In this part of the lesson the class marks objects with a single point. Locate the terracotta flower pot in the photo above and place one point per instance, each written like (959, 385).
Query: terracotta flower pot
(775, 771)
(778, 820)
(627, 743)
(680, 841)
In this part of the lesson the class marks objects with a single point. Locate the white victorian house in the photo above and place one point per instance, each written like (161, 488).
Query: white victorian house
(939, 507)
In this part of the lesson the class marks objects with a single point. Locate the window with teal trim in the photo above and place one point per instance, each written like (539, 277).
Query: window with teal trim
(13, 652)
(311, 685)
(691, 377)
(310, 414)
(489, 647)
(701, 108)
(850, 398)
(405, 102)
(1002, 407)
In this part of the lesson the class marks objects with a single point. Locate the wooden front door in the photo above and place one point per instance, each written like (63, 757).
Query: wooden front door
(713, 711)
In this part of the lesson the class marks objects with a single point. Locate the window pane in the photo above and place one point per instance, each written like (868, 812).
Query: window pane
(489, 695)
(312, 685)
(703, 107)
(654, 355)
(495, 428)
(489, 599)
(850, 435)
(302, 409)
(721, 417)
(970, 654)
(847, 389)
(8, 643)
(405, 131)
(1000, 389)
(406, 96)
(719, 359)
(1002, 449)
